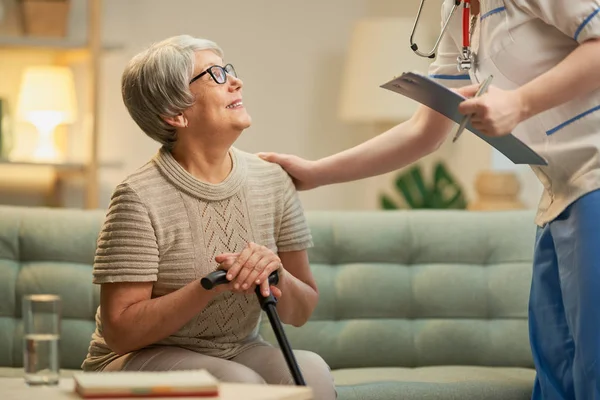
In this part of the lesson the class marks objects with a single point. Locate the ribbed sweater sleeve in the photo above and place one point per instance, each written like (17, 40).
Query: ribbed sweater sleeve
(294, 233)
(127, 249)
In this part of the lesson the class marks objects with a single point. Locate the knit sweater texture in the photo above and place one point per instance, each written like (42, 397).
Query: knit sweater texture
(165, 226)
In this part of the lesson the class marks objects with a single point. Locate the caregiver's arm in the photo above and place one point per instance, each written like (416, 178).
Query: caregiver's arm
(498, 112)
(577, 75)
(399, 146)
(395, 148)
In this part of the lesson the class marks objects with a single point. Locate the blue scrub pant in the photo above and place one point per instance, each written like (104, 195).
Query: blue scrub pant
(564, 305)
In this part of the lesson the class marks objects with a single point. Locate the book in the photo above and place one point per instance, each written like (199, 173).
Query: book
(445, 101)
(188, 383)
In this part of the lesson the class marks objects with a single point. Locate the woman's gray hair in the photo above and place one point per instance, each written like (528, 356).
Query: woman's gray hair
(155, 84)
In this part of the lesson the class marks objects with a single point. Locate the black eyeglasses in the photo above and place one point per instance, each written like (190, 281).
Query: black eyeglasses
(218, 73)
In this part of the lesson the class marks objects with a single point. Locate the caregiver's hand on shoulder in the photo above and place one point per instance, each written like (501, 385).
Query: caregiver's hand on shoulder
(495, 113)
(303, 172)
(251, 267)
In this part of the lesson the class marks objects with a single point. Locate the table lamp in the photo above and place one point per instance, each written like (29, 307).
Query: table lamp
(47, 99)
(379, 50)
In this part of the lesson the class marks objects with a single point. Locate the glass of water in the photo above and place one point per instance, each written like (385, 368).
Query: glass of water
(41, 319)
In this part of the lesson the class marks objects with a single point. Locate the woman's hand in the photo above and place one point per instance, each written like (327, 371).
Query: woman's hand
(303, 172)
(228, 261)
(251, 267)
(495, 113)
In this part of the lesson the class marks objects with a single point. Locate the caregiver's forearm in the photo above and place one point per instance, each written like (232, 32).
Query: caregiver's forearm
(393, 149)
(577, 75)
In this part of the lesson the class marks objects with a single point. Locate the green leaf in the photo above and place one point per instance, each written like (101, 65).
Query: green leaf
(448, 192)
(413, 189)
(387, 203)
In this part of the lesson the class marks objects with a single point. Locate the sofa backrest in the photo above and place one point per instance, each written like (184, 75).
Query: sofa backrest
(419, 288)
(397, 288)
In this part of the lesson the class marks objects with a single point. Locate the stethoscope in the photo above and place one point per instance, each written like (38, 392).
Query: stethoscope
(465, 60)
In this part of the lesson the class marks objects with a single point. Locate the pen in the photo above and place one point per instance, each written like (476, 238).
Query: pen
(463, 123)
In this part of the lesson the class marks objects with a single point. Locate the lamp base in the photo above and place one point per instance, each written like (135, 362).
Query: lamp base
(46, 149)
(46, 152)
(38, 148)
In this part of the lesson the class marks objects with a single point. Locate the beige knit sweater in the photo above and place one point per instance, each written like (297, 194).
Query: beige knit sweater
(165, 226)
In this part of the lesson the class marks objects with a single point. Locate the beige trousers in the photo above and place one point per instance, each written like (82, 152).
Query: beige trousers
(259, 364)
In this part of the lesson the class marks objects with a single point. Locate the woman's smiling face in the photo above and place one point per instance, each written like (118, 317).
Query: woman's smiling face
(217, 106)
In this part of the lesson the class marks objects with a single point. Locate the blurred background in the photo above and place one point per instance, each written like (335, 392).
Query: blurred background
(311, 73)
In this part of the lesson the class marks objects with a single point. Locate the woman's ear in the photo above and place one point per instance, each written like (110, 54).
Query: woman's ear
(178, 121)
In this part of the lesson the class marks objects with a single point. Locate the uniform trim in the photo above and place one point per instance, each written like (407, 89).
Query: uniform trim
(492, 12)
(585, 22)
(451, 77)
(570, 121)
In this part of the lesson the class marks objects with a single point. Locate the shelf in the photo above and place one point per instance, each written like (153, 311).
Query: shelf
(67, 166)
(77, 33)
(83, 38)
(72, 166)
(39, 42)
(28, 43)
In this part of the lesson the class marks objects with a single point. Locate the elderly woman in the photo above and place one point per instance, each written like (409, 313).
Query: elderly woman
(199, 204)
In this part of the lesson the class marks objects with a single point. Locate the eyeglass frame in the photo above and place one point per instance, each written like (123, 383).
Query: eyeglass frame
(209, 71)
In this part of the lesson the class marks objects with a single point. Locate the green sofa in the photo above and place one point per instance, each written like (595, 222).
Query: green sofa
(413, 304)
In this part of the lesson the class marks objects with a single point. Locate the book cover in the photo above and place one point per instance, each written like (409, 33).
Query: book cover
(189, 383)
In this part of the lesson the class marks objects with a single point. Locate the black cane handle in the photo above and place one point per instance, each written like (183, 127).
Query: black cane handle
(213, 279)
(219, 277)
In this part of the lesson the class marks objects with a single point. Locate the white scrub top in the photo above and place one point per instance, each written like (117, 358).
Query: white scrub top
(516, 41)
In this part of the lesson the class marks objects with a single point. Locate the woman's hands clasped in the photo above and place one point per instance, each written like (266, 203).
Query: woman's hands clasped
(251, 267)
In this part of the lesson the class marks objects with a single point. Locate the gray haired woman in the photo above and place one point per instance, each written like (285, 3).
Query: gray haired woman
(199, 204)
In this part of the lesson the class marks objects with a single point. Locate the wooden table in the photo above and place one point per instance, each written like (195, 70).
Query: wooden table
(17, 389)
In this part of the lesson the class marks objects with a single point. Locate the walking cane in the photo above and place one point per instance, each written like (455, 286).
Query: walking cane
(268, 304)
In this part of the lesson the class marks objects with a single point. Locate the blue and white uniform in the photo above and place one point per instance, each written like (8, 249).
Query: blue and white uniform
(516, 41)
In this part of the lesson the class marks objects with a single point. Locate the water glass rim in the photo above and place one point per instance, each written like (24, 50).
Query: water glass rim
(42, 297)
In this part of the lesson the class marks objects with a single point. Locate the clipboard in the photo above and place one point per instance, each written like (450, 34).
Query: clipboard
(445, 101)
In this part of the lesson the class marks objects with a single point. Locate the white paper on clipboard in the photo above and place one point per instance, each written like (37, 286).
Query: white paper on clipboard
(445, 101)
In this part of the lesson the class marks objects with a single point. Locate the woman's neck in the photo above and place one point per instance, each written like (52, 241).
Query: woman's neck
(208, 163)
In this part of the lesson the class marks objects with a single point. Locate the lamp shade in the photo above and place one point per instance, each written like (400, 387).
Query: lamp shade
(379, 51)
(47, 96)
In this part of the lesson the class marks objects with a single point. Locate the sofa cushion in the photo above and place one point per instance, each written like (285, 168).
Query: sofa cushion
(438, 382)
(441, 374)
(435, 391)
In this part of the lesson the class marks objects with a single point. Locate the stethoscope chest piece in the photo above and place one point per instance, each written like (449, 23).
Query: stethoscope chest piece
(466, 60)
